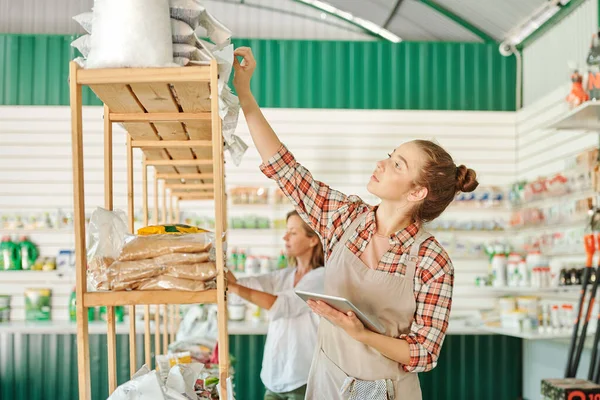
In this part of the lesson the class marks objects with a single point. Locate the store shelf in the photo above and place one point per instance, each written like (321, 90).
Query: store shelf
(584, 117)
(552, 201)
(579, 223)
(93, 299)
(14, 231)
(531, 290)
(534, 335)
(468, 232)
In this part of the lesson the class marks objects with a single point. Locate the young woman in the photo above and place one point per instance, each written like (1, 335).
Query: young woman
(378, 257)
(292, 334)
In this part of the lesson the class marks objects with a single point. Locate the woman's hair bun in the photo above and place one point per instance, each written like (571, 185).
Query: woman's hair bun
(466, 179)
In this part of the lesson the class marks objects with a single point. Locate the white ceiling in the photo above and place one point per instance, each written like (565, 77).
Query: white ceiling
(289, 19)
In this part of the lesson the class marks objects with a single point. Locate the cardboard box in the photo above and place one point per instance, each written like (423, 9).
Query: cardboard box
(570, 389)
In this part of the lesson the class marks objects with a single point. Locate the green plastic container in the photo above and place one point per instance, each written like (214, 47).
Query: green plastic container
(37, 304)
(9, 255)
(28, 253)
(73, 308)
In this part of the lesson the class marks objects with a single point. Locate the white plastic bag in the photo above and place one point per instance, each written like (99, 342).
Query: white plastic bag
(82, 44)
(181, 32)
(107, 232)
(132, 33)
(182, 378)
(188, 11)
(145, 385)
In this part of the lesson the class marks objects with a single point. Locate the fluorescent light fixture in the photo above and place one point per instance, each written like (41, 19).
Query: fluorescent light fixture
(363, 23)
(535, 21)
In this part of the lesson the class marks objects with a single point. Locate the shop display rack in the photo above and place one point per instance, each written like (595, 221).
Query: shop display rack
(172, 115)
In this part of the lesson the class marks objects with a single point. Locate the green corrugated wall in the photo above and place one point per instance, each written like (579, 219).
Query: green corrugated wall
(44, 367)
(304, 74)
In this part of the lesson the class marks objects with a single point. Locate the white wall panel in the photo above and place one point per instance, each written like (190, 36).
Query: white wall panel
(545, 61)
(340, 147)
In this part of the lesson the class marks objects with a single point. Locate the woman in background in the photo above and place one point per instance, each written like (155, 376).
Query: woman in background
(292, 334)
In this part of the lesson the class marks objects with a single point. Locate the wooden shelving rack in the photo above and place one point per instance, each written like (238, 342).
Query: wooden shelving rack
(172, 115)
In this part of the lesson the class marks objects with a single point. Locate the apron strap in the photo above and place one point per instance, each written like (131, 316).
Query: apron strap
(413, 255)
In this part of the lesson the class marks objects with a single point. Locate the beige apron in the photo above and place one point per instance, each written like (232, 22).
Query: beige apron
(388, 297)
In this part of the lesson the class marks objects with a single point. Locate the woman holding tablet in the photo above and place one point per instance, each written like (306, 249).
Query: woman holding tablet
(292, 334)
(377, 257)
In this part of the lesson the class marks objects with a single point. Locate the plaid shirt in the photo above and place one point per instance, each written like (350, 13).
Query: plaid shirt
(330, 213)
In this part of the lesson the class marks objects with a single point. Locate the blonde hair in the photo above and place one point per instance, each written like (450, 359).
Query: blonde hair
(317, 258)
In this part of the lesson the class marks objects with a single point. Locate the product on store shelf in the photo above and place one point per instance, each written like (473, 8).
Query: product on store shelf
(4, 308)
(9, 255)
(166, 229)
(28, 253)
(144, 247)
(73, 308)
(65, 260)
(282, 261)
(37, 304)
(176, 261)
(499, 270)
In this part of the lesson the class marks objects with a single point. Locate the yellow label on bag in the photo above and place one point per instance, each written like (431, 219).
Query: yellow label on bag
(169, 229)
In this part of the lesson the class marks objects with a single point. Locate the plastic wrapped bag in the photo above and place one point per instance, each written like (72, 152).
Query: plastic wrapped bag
(145, 384)
(188, 11)
(107, 232)
(182, 379)
(171, 283)
(173, 229)
(123, 36)
(198, 325)
(142, 247)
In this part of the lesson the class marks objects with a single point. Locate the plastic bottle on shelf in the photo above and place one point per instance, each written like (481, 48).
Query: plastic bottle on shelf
(282, 261)
(499, 266)
(28, 253)
(525, 274)
(265, 265)
(9, 255)
(241, 261)
(234, 259)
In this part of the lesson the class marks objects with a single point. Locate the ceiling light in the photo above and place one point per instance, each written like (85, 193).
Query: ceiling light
(363, 23)
(537, 19)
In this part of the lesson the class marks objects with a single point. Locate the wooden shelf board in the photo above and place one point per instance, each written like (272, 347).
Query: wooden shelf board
(139, 297)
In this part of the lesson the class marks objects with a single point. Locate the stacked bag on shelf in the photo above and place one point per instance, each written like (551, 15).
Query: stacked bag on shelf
(161, 33)
(147, 261)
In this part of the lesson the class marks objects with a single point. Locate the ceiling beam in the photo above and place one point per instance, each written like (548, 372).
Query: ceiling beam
(486, 37)
(351, 20)
(555, 19)
(392, 14)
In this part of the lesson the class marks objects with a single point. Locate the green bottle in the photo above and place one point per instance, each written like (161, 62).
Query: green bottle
(119, 313)
(282, 262)
(241, 265)
(9, 255)
(73, 308)
(28, 253)
(233, 263)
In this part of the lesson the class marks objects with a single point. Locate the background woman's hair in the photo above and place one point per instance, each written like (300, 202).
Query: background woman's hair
(317, 258)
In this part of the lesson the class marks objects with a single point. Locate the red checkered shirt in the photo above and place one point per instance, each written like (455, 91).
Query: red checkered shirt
(330, 213)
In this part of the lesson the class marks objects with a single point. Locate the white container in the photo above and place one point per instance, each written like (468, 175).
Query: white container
(265, 265)
(525, 274)
(512, 320)
(530, 305)
(507, 304)
(499, 267)
(236, 312)
(252, 265)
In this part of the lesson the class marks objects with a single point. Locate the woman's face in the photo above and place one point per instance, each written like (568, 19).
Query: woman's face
(394, 176)
(297, 242)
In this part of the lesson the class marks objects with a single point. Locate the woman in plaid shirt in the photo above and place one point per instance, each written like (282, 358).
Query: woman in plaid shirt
(378, 257)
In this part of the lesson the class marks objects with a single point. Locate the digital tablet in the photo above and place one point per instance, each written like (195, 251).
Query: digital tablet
(343, 305)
